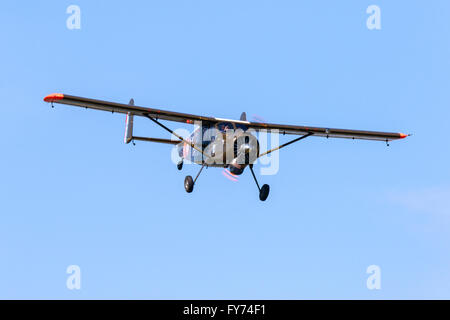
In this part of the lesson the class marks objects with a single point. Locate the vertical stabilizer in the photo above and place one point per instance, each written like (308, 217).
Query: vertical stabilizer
(129, 125)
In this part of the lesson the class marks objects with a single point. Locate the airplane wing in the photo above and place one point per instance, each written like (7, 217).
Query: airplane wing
(125, 108)
(190, 118)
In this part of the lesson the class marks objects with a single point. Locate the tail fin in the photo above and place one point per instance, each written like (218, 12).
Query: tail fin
(129, 125)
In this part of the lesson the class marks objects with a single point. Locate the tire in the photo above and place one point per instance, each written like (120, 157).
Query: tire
(264, 192)
(188, 184)
(180, 165)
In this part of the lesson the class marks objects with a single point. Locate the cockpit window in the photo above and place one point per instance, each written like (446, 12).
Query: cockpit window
(225, 126)
(241, 126)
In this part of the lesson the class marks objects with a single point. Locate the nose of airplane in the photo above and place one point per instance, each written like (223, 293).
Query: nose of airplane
(247, 152)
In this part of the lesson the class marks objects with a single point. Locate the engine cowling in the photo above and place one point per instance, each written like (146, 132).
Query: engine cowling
(246, 151)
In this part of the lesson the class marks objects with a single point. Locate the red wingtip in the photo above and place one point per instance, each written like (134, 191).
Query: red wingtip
(54, 97)
(402, 135)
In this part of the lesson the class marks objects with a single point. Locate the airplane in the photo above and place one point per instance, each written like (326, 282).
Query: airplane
(216, 142)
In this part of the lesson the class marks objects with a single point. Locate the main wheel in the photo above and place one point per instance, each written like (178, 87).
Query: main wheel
(264, 192)
(189, 184)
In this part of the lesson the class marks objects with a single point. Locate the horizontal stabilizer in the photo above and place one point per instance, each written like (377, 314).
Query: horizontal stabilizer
(159, 140)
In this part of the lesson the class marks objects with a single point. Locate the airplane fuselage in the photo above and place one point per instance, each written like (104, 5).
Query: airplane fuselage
(221, 145)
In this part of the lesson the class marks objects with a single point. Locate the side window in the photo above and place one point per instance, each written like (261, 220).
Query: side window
(208, 135)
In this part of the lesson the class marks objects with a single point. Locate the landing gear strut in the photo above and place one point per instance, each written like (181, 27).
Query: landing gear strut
(264, 190)
(189, 182)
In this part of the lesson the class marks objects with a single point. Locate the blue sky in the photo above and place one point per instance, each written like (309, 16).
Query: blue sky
(72, 193)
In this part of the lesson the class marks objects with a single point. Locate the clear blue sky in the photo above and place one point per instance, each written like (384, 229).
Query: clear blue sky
(72, 193)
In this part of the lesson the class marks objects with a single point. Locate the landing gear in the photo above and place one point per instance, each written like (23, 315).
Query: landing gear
(189, 182)
(264, 191)
(180, 165)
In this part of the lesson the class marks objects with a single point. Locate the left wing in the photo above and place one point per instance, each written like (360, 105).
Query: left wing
(125, 108)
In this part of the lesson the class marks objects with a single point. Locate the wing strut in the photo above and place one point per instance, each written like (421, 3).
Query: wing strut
(178, 136)
(286, 144)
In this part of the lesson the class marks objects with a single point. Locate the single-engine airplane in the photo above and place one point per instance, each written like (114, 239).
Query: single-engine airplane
(216, 142)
